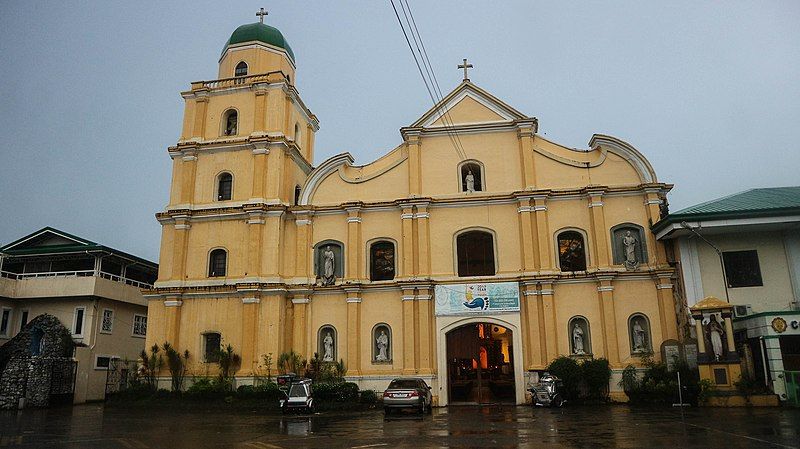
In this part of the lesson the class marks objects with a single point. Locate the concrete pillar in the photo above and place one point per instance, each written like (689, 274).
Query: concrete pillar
(274, 181)
(409, 333)
(544, 240)
(529, 252)
(701, 341)
(172, 320)
(303, 249)
(260, 153)
(729, 332)
(300, 341)
(250, 320)
(200, 110)
(353, 266)
(408, 241)
(608, 319)
(599, 237)
(259, 115)
(423, 240)
(353, 331)
(425, 330)
(652, 202)
(666, 306)
(414, 164)
(255, 229)
(525, 134)
(549, 312)
(179, 247)
(188, 169)
(533, 330)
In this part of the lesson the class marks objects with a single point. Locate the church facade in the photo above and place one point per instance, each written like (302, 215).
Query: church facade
(472, 254)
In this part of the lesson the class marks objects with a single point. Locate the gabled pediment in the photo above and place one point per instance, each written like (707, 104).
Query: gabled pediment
(468, 104)
(47, 237)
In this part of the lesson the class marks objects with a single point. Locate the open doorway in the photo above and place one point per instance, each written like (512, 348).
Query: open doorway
(480, 364)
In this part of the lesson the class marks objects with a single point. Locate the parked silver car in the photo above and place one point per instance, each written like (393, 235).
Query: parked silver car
(300, 397)
(408, 393)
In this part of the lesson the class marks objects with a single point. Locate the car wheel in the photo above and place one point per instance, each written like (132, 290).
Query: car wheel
(422, 407)
(429, 409)
(387, 411)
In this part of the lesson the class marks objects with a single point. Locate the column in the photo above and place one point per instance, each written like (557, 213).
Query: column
(423, 240)
(726, 315)
(666, 305)
(408, 241)
(408, 332)
(273, 191)
(533, 336)
(549, 313)
(259, 123)
(260, 152)
(652, 202)
(299, 336)
(608, 319)
(353, 266)
(255, 228)
(544, 241)
(172, 310)
(414, 163)
(188, 171)
(701, 341)
(200, 109)
(525, 133)
(271, 259)
(425, 330)
(599, 236)
(250, 319)
(271, 327)
(529, 252)
(303, 248)
(353, 331)
(180, 246)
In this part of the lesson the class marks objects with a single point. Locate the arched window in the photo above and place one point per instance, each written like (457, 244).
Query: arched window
(329, 261)
(326, 343)
(217, 263)
(580, 339)
(224, 187)
(628, 245)
(475, 253)
(639, 332)
(381, 261)
(297, 195)
(211, 346)
(471, 175)
(231, 122)
(241, 69)
(381, 343)
(297, 133)
(571, 251)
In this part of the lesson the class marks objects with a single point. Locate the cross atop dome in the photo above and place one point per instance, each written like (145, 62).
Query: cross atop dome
(261, 13)
(466, 67)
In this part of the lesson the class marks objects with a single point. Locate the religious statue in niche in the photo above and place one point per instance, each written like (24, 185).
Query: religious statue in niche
(383, 263)
(382, 344)
(327, 343)
(577, 339)
(231, 124)
(715, 335)
(639, 336)
(469, 180)
(329, 266)
(629, 243)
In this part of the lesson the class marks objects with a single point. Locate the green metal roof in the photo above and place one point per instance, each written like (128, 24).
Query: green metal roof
(27, 246)
(764, 202)
(262, 33)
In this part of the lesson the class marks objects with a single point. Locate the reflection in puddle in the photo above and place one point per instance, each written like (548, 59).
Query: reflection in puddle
(296, 426)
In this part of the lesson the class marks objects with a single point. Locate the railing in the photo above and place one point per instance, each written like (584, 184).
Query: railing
(236, 81)
(76, 273)
(791, 380)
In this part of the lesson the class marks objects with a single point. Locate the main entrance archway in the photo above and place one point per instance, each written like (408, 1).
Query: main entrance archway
(480, 364)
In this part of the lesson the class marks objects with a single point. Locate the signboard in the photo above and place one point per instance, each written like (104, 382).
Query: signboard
(690, 351)
(671, 354)
(477, 299)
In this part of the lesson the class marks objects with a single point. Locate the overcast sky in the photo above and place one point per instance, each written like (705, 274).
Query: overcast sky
(709, 92)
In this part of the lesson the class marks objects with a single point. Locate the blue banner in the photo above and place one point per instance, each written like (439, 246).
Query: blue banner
(477, 299)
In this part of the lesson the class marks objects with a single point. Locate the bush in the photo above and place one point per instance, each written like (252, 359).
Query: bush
(660, 386)
(596, 373)
(336, 392)
(569, 372)
(268, 391)
(368, 397)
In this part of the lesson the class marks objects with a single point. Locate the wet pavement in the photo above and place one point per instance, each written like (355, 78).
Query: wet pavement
(93, 426)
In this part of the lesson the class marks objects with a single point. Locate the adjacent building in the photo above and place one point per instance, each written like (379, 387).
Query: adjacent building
(93, 290)
(472, 254)
(745, 249)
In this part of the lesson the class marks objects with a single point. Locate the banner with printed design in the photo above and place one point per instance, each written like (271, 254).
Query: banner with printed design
(477, 299)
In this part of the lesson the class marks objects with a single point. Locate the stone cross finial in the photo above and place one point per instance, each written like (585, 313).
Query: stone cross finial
(466, 67)
(260, 14)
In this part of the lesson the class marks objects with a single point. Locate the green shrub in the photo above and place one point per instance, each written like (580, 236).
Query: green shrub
(368, 397)
(659, 385)
(336, 392)
(267, 391)
(596, 374)
(569, 372)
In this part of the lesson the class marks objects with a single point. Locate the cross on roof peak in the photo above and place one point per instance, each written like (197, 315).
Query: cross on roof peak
(466, 67)
(261, 13)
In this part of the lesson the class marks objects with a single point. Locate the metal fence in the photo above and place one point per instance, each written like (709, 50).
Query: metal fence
(792, 381)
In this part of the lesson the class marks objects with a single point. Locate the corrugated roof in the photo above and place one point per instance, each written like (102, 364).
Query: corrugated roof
(749, 200)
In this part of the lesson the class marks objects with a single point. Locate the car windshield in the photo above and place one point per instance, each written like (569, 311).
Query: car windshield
(403, 384)
(297, 391)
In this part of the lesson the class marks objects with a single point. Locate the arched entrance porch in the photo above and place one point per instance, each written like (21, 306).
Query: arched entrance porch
(480, 360)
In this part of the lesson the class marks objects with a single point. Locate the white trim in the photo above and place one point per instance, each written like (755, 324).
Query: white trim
(664, 286)
(424, 297)
(407, 216)
(103, 318)
(44, 231)
(422, 215)
(595, 204)
(524, 209)
(690, 268)
(442, 109)
(251, 300)
(260, 45)
(719, 226)
(301, 300)
(627, 152)
(407, 297)
(354, 219)
(260, 151)
(75, 322)
(547, 291)
(173, 303)
(353, 300)
(605, 288)
(539, 208)
(317, 175)
(302, 221)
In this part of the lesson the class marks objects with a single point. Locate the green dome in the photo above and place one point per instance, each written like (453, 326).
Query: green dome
(259, 32)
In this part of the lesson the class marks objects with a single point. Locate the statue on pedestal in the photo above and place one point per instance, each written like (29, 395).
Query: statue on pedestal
(715, 334)
(383, 344)
(329, 266)
(327, 342)
(577, 339)
(470, 181)
(629, 242)
(639, 337)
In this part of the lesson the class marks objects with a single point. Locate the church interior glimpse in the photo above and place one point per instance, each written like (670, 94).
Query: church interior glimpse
(480, 364)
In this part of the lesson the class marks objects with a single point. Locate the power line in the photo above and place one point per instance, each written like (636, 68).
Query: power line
(430, 85)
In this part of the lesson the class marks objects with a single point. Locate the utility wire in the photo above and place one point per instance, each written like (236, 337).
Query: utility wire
(429, 85)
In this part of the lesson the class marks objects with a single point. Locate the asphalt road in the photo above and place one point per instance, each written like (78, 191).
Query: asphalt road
(94, 426)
